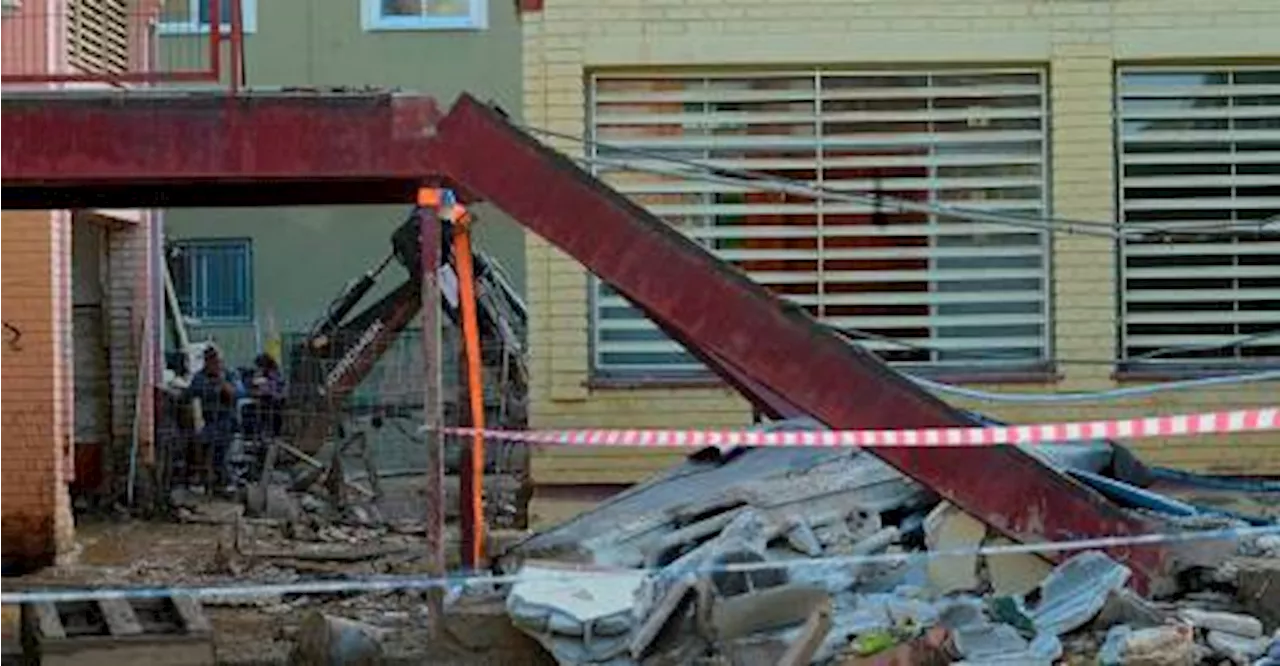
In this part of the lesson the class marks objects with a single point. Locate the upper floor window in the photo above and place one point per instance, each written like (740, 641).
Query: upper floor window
(1199, 152)
(425, 14)
(179, 17)
(213, 279)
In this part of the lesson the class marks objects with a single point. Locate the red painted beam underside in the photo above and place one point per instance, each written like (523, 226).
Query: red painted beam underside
(283, 149)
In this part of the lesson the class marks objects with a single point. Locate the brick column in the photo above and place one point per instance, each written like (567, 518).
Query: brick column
(37, 398)
(127, 302)
(1083, 188)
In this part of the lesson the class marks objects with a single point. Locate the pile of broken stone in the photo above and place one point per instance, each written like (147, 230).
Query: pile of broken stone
(840, 560)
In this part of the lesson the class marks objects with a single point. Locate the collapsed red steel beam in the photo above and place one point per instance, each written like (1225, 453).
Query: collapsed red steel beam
(735, 323)
(128, 150)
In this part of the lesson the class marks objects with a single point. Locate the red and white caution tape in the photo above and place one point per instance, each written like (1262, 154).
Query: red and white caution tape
(1246, 420)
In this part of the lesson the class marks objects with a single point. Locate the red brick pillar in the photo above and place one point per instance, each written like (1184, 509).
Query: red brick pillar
(35, 395)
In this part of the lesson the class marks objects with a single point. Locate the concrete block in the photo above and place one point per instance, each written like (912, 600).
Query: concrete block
(949, 528)
(1016, 573)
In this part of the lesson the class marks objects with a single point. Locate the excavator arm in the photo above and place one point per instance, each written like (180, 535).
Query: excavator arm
(341, 349)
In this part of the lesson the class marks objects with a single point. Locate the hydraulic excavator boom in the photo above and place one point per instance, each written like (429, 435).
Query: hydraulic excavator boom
(341, 348)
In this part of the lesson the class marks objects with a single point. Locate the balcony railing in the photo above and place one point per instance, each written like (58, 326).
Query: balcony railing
(123, 42)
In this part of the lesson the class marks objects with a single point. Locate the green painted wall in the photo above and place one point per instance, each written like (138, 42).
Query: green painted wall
(302, 257)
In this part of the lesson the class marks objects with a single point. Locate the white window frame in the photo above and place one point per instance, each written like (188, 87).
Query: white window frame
(1170, 361)
(194, 26)
(373, 20)
(936, 251)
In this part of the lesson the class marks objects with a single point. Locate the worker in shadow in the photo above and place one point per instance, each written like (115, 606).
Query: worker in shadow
(266, 416)
(216, 392)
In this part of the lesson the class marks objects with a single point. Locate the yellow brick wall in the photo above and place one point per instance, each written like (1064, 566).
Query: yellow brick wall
(1079, 41)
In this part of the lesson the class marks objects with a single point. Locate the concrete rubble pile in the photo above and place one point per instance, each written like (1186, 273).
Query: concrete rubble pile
(806, 556)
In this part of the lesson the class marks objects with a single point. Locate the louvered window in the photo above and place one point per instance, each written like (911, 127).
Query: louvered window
(949, 292)
(1200, 161)
(98, 36)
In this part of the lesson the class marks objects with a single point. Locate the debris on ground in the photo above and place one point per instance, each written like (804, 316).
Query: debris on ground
(762, 552)
(779, 556)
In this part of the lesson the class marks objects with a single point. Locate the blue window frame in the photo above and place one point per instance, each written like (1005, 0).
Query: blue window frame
(214, 279)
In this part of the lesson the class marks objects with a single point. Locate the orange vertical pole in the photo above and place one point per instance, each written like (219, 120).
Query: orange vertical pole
(472, 482)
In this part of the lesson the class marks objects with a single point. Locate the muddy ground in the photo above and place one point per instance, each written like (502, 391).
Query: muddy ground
(204, 550)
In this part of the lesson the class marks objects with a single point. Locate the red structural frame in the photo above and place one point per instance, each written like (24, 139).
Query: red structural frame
(125, 150)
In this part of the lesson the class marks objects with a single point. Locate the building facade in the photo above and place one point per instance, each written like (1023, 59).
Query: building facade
(244, 276)
(1018, 196)
(77, 296)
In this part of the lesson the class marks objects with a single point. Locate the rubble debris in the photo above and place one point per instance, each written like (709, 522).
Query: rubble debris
(1124, 606)
(326, 640)
(948, 528)
(1237, 649)
(1168, 645)
(1011, 574)
(583, 618)
(11, 621)
(1231, 623)
(1002, 644)
(1071, 596)
(1257, 584)
(1272, 656)
(927, 650)
(269, 501)
(812, 634)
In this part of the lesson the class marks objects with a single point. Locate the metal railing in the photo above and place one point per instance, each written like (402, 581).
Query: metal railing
(124, 42)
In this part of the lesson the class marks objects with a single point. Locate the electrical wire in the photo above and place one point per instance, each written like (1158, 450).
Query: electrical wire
(1096, 396)
(881, 201)
(747, 176)
(712, 173)
(458, 581)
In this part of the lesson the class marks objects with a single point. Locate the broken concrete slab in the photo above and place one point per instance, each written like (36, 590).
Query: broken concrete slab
(1002, 644)
(1013, 573)
(1240, 650)
(766, 610)
(580, 616)
(1232, 623)
(822, 486)
(948, 528)
(1124, 606)
(1168, 645)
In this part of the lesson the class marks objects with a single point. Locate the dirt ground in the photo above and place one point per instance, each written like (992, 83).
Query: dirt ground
(260, 629)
